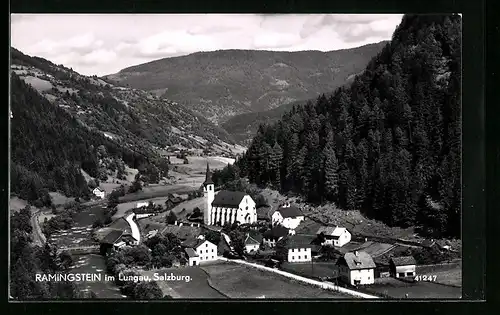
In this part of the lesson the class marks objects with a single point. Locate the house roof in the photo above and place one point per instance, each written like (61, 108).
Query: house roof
(360, 261)
(190, 252)
(121, 224)
(403, 261)
(208, 177)
(300, 241)
(112, 237)
(99, 189)
(276, 232)
(182, 232)
(228, 199)
(290, 212)
(194, 242)
(333, 231)
(256, 235)
(249, 240)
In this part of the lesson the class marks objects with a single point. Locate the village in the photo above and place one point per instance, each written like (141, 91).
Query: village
(224, 240)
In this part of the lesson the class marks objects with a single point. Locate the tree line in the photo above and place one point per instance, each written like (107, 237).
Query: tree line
(388, 145)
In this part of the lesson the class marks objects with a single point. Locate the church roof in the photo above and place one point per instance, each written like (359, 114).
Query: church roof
(228, 199)
(208, 177)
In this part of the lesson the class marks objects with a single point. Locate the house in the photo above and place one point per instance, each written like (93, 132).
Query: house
(111, 241)
(402, 267)
(270, 237)
(334, 236)
(356, 268)
(142, 204)
(226, 206)
(224, 245)
(299, 249)
(287, 216)
(172, 201)
(199, 250)
(98, 192)
(252, 242)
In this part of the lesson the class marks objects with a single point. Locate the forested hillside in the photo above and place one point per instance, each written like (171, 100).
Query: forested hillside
(49, 147)
(220, 84)
(389, 145)
(129, 116)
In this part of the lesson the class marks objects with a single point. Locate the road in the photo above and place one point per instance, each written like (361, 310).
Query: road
(321, 284)
(38, 237)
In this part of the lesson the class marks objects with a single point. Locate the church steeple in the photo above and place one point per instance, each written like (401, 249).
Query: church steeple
(208, 177)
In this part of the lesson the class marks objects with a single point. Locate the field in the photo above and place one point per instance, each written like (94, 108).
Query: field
(17, 204)
(196, 288)
(448, 274)
(417, 290)
(314, 270)
(239, 281)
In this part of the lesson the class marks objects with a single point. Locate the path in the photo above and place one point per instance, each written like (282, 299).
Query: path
(323, 285)
(38, 237)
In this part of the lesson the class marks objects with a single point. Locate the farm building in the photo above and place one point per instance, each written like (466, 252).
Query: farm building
(226, 206)
(334, 236)
(199, 250)
(252, 242)
(98, 192)
(288, 216)
(172, 201)
(183, 231)
(111, 241)
(357, 268)
(402, 267)
(270, 237)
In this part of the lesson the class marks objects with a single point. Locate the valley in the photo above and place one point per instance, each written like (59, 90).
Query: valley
(313, 174)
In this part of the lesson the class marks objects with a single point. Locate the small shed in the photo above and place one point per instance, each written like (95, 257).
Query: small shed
(403, 267)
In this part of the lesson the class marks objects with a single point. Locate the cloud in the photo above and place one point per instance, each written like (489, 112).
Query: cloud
(103, 44)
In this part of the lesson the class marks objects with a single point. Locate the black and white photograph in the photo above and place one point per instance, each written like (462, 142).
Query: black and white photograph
(235, 156)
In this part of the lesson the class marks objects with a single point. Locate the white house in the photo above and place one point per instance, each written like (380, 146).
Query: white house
(252, 242)
(98, 192)
(357, 268)
(142, 204)
(299, 249)
(334, 236)
(204, 250)
(288, 216)
(226, 206)
(403, 267)
(274, 235)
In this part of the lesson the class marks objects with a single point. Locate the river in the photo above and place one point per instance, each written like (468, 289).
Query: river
(81, 235)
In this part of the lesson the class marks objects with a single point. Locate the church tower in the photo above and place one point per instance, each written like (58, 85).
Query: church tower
(209, 194)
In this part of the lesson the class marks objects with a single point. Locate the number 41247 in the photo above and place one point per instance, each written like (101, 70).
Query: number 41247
(429, 278)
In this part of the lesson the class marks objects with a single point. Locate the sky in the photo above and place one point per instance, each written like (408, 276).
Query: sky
(101, 44)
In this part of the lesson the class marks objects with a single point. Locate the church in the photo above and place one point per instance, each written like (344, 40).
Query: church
(226, 206)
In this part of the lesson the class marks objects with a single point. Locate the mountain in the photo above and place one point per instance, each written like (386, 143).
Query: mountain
(50, 147)
(224, 83)
(63, 122)
(126, 115)
(388, 145)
